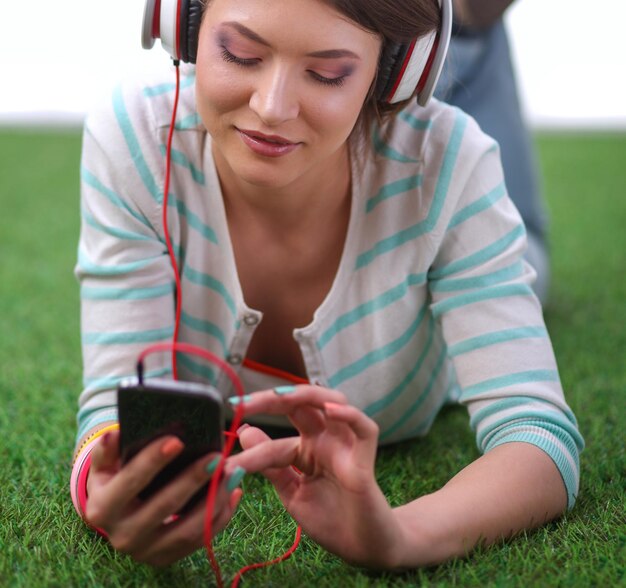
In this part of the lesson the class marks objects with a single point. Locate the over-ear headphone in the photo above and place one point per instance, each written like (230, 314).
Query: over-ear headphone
(404, 67)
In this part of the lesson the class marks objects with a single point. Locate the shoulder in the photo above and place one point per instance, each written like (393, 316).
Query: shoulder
(428, 135)
(138, 110)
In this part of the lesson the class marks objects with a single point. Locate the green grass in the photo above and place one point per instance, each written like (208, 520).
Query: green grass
(43, 544)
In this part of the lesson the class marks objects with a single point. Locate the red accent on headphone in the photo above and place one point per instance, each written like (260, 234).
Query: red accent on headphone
(156, 20)
(402, 70)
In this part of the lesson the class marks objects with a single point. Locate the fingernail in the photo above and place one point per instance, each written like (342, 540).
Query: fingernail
(235, 400)
(284, 389)
(235, 478)
(171, 447)
(106, 438)
(242, 428)
(212, 465)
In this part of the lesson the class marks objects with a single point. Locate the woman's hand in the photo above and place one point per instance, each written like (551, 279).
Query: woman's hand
(146, 530)
(335, 498)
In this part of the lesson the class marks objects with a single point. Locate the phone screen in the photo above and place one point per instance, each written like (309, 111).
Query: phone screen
(155, 408)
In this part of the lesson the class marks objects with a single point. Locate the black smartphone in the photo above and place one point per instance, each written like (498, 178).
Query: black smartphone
(155, 408)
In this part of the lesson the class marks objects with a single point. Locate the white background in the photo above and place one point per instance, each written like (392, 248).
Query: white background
(58, 56)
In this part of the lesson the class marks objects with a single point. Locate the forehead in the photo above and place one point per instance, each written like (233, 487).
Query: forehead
(314, 23)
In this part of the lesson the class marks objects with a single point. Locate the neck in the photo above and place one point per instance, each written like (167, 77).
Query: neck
(307, 201)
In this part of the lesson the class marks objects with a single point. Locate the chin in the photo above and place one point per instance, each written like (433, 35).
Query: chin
(265, 174)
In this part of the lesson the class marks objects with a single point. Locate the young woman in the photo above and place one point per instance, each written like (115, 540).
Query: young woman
(358, 262)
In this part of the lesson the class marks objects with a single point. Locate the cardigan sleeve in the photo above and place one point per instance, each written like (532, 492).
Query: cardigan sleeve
(126, 280)
(493, 323)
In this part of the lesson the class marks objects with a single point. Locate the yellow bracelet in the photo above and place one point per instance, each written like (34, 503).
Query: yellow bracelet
(93, 437)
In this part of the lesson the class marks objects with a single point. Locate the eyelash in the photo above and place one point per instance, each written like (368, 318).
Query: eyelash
(230, 58)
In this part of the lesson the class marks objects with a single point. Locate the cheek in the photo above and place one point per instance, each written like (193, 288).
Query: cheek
(217, 90)
(337, 111)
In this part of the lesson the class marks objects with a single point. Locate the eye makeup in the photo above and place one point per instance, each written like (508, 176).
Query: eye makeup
(229, 54)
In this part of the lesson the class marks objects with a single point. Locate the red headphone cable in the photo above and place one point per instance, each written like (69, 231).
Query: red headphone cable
(175, 346)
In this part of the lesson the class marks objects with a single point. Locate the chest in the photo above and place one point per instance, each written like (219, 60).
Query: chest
(287, 284)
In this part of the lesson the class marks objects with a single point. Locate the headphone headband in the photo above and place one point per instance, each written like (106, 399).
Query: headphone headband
(404, 69)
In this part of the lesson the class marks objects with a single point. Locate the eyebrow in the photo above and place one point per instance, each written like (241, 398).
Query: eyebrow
(324, 54)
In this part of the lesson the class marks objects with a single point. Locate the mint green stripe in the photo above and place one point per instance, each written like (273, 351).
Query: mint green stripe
(441, 190)
(86, 265)
(134, 146)
(385, 299)
(481, 204)
(385, 150)
(212, 283)
(378, 355)
(113, 231)
(511, 402)
(529, 415)
(193, 220)
(181, 159)
(496, 337)
(111, 196)
(88, 293)
(427, 421)
(417, 123)
(147, 336)
(480, 257)
(160, 89)
(393, 189)
(109, 414)
(384, 402)
(191, 121)
(414, 407)
(501, 405)
(570, 477)
(461, 300)
(509, 380)
(203, 370)
(105, 383)
(502, 275)
(207, 327)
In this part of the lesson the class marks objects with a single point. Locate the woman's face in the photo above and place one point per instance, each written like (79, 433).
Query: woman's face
(280, 85)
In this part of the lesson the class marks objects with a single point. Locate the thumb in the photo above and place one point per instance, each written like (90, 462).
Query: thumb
(251, 436)
(105, 454)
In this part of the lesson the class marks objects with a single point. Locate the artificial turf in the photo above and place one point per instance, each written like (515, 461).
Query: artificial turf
(42, 542)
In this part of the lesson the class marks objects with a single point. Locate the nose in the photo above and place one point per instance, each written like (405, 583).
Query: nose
(275, 97)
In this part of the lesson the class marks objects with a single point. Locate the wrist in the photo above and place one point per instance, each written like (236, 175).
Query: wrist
(424, 539)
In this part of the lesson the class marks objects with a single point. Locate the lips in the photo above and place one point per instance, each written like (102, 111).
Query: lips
(267, 145)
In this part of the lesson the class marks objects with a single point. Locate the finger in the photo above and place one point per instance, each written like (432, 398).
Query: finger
(269, 402)
(184, 536)
(364, 428)
(174, 541)
(123, 488)
(105, 454)
(308, 420)
(172, 498)
(235, 498)
(272, 458)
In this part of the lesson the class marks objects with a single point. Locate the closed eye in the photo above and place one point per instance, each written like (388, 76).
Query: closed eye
(338, 81)
(251, 61)
(244, 62)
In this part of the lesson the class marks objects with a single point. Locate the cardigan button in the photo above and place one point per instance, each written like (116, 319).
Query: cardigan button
(251, 320)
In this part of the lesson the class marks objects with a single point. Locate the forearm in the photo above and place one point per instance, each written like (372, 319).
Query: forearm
(513, 487)
(479, 14)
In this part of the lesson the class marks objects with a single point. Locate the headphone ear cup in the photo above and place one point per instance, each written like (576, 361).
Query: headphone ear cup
(405, 68)
(389, 69)
(190, 20)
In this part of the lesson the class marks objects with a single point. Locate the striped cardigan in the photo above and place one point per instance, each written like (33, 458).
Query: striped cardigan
(431, 302)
